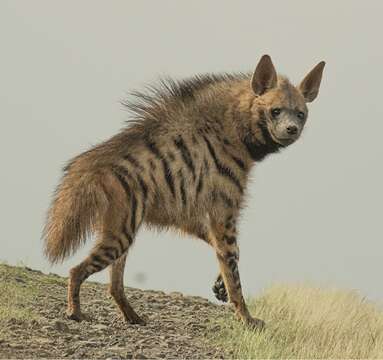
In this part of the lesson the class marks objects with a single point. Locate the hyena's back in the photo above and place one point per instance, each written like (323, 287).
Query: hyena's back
(166, 181)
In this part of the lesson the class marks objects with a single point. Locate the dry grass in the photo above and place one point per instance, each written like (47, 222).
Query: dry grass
(308, 322)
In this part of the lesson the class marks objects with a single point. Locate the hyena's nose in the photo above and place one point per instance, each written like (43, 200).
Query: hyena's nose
(292, 130)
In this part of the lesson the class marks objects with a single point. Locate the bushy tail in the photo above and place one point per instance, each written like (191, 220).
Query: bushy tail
(78, 205)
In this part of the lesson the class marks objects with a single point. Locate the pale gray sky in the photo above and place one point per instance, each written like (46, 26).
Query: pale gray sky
(315, 212)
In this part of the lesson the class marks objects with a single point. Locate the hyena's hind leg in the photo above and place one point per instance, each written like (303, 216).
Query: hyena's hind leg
(109, 248)
(119, 227)
(116, 289)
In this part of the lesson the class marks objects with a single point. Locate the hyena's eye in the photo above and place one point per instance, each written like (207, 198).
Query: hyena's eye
(275, 112)
(301, 115)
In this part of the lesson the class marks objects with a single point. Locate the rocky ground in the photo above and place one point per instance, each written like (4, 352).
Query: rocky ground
(33, 323)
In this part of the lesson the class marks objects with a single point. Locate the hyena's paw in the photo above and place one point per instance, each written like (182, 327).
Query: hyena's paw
(220, 290)
(136, 320)
(77, 316)
(255, 324)
(131, 317)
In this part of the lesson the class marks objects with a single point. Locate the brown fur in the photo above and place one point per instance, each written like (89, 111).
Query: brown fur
(182, 163)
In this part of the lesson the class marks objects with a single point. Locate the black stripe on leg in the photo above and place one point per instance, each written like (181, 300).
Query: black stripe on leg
(223, 169)
(109, 252)
(97, 258)
(98, 262)
(96, 267)
(231, 255)
(230, 240)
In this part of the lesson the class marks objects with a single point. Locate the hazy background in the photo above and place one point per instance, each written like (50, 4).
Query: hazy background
(316, 209)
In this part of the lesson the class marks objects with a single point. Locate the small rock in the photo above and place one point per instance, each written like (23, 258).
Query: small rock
(116, 349)
(99, 327)
(70, 352)
(176, 294)
(53, 274)
(32, 270)
(86, 343)
(61, 326)
(139, 356)
(48, 328)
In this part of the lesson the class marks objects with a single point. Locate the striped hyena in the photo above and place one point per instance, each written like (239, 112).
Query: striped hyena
(182, 163)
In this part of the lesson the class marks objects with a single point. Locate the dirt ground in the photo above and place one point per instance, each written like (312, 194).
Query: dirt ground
(177, 326)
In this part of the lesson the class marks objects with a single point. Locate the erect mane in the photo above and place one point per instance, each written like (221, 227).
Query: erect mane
(148, 104)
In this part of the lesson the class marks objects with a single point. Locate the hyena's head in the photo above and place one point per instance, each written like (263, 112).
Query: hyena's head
(283, 105)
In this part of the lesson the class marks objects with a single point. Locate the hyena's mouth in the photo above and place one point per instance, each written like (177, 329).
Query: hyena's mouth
(281, 141)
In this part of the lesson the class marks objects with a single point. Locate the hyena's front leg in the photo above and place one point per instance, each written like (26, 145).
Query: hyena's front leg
(228, 254)
(229, 233)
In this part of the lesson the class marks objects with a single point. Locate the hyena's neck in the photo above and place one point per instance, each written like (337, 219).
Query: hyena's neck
(244, 124)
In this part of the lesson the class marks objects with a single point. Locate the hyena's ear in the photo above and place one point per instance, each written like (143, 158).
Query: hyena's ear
(309, 87)
(264, 77)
